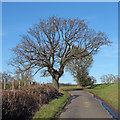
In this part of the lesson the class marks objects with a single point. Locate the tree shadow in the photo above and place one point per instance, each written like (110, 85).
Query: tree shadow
(75, 89)
(69, 101)
(73, 97)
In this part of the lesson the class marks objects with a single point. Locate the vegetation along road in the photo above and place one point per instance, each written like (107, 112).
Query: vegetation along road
(84, 105)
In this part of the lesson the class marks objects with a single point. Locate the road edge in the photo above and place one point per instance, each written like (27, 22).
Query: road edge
(96, 96)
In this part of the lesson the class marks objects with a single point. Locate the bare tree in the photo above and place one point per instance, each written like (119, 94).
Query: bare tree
(109, 78)
(48, 46)
(116, 80)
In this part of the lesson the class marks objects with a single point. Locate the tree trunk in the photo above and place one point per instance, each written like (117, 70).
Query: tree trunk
(56, 75)
(56, 80)
(56, 83)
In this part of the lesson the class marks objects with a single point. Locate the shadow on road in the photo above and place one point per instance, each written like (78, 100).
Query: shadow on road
(75, 89)
(69, 102)
(75, 96)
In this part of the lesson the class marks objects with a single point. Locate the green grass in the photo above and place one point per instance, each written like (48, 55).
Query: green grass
(72, 87)
(54, 108)
(68, 87)
(108, 93)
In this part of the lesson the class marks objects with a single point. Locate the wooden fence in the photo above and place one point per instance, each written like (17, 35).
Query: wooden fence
(4, 84)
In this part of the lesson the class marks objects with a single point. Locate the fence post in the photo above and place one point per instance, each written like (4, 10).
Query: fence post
(19, 84)
(13, 84)
(4, 83)
(29, 83)
(24, 83)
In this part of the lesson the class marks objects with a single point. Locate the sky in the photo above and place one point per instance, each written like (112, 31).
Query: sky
(18, 17)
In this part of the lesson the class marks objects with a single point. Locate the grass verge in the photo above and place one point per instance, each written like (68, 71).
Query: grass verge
(54, 108)
(108, 93)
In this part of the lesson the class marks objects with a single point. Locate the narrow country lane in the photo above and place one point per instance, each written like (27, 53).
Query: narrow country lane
(84, 105)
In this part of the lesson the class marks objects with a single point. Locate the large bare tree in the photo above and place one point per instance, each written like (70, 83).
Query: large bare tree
(53, 42)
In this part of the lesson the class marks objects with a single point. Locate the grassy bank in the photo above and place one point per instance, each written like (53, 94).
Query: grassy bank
(108, 93)
(54, 108)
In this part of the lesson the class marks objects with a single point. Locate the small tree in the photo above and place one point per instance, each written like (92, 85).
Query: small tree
(109, 78)
(79, 68)
(48, 46)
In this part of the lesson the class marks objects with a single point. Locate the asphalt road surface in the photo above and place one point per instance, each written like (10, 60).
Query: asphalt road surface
(84, 105)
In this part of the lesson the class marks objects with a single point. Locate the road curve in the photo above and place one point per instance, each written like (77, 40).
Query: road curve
(84, 105)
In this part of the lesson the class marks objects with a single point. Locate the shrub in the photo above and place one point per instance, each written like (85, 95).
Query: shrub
(23, 103)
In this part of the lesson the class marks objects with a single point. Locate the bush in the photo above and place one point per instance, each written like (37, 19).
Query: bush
(22, 104)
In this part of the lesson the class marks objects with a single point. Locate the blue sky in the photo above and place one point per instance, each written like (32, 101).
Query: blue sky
(18, 17)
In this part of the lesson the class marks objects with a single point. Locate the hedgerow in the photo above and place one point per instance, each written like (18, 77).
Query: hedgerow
(23, 103)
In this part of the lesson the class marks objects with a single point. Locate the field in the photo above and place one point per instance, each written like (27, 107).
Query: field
(68, 87)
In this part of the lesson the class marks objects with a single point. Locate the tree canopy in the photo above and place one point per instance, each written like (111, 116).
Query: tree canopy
(49, 45)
